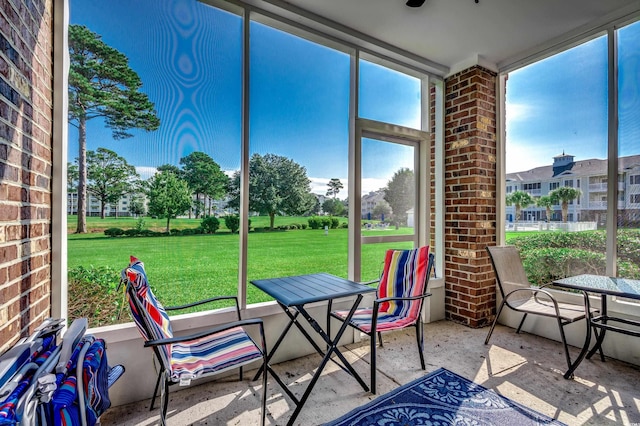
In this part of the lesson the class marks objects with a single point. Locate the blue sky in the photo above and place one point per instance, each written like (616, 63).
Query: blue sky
(188, 56)
(560, 104)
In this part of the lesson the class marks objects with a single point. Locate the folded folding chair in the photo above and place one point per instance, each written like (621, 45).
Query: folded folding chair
(31, 384)
(21, 369)
(182, 359)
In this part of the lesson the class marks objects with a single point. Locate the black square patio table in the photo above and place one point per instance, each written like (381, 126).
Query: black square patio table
(604, 286)
(292, 294)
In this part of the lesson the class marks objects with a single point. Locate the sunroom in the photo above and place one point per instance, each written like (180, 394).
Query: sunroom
(453, 98)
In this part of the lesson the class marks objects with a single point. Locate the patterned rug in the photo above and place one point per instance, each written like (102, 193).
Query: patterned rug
(442, 398)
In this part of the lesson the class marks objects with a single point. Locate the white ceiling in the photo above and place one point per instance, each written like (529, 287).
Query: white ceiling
(453, 33)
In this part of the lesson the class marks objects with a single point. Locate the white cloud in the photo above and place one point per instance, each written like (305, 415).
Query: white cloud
(517, 112)
(146, 172)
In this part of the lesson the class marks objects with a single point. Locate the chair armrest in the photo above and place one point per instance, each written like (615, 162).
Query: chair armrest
(201, 302)
(387, 299)
(211, 299)
(205, 333)
(537, 291)
(370, 282)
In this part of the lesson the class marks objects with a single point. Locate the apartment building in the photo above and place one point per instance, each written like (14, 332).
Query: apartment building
(590, 177)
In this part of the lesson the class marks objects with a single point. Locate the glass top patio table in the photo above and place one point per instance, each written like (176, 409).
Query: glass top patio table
(604, 286)
(621, 287)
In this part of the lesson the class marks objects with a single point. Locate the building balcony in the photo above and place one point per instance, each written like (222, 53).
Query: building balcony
(525, 368)
(602, 187)
(603, 205)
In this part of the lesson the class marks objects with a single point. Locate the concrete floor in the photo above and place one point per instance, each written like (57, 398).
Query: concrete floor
(526, 368)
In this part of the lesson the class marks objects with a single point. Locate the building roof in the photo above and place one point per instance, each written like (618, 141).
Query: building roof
(590, 167)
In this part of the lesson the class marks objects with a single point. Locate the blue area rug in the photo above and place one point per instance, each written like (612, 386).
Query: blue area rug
(442, 398)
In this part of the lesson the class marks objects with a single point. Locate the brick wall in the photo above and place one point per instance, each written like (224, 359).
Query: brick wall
(470, 191)
(26, 71)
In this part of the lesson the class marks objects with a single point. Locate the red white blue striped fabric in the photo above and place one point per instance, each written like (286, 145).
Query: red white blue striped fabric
(213, 354)
(159, 324)
(216, 353)
(404, 275)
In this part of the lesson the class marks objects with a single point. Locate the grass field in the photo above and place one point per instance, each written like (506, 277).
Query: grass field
(182, 269)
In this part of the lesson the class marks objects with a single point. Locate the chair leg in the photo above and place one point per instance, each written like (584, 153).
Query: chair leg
(380, 339)
(155, 390)
(241, 375)
(264, 390)
(373, 362)
(521, 323)
(493, 324)
(164, 398)
(564, 343)
(420, 341)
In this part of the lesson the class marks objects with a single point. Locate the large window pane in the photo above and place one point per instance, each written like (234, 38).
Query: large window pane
(188, 59)
(556, 159)
(629, 150)
(298, 157)
(389, 96)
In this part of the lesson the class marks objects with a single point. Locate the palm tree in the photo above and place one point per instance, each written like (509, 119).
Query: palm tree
(547, 202)
(564, 195)
(521, 200)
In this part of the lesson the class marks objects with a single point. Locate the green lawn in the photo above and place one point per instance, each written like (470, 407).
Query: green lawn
(182, 269)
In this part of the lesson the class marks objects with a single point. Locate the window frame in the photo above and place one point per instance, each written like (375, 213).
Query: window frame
(303, 26)
(609, 29)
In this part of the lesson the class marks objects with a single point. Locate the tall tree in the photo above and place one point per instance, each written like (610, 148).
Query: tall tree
(400, 194)
(519, 199)
(334, 187)
(110, 177)
(547, 202)
(333, 207)
(381, 209)
(204, 177)
(170, 168)
(277, 185)
(101, 84)
(564, 195)
(169, 196)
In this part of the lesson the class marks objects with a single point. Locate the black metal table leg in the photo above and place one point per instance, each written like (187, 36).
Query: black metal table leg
(292, 320)
(600, 338)
(587, 341)
(333, 349)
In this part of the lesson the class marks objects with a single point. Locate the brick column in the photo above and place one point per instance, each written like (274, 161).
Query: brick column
(470, 191)
(26, 63)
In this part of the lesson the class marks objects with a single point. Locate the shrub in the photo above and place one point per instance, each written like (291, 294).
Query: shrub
(93, 295)
(544, 265)
(303, 226)
(335, 222)
(140, 224)
(314, 222)
(175, 232)
(232, 222)
(131, 232)
(113, 232)
(188, 231)
(210, 224)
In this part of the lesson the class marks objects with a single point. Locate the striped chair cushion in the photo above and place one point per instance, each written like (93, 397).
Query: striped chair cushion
(156, 317)
(212, 354)
(404, 275)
